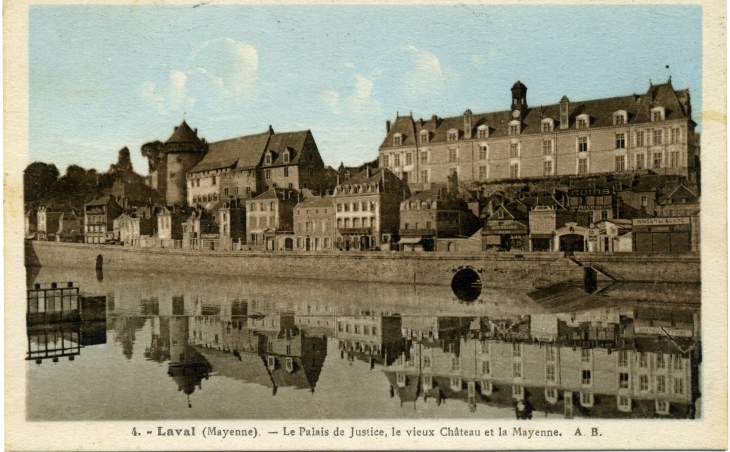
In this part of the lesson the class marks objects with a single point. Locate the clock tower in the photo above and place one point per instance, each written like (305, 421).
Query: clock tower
(519, 100)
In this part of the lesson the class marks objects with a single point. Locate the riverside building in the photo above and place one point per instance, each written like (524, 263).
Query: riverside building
(651, 131)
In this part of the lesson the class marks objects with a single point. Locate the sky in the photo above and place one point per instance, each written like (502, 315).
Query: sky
(105, 77)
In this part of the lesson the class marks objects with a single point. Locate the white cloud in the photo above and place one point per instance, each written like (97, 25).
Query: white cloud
(332, 100)
(171, 99)
(424, 75)
(230, 66)
(359, 101)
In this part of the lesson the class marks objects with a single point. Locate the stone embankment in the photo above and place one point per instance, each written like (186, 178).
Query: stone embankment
(499, 270)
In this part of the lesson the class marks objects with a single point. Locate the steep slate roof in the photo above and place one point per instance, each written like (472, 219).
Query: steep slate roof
(679, 193)
(316, 201)
(294, 141)
(600, 111)
(272, 193)
(242, 153)
(104, 200)
(183, 134)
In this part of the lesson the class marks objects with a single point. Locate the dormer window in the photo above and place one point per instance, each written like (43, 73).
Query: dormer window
(514, 128)
(582, 122)
(285, 156)
(483, 132)
(620, 118)
(547, 125)
(424, 136)
(657, 114)
(397, 139)
(268, 158)
(452, 135)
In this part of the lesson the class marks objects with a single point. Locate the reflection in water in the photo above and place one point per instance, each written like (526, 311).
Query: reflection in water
(292, 349)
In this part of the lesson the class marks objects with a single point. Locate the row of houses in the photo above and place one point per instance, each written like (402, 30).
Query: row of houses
(375, 210)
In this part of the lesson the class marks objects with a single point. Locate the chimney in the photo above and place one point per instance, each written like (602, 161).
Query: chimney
(195, 131)
(271, 129)
(367, 171)
(387, 126)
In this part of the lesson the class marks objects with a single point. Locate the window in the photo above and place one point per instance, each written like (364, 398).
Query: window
(674, 137)
(486, 368)
(624, 403)
(586, 399)
(623, 358)
(547, 127)
(386, 161)
(620, 163)
(268, 159)
(267, 174)
(397, 140)
(286, 172)
(517, 350)
(619, 120)
(424, 137)
(662, 407)
(197, 182)
(225, 192)
(661, 384)
(677, 361)
(482, 172)
(424, 157)
(658, 135)
(674, 159)
(547, 147)
(585, 355)
(550, 352)
(640, 161)
(424, 176)
(453, 154)
(517, 370)
(518, 391)
(547, 168)
(514, 129)
(657, 160)
(581, 123)
(620, 141)
(585, 377)
(582, 144)
(643, 382)
(604, 215)
(455, 364)
(678, 386)
(514, 170)
(483, 133)
(514, 150)
(643, 360)
(550, 372)
(452, 135)
(623, 380)
(582, 166)
(639, 139)
(364, 206)
(455, 383)
(355, 206)
(347, 207)
(483, 152)
(656, 115)
(426, 361)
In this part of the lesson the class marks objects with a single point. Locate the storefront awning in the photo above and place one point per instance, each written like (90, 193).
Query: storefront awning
(410, 240)
(494, 240)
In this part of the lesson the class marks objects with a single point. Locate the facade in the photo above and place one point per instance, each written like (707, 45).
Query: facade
(314, 223)
(232, 221)
(200, 231)
(431, 215)
(243, 167)
(136, 226)
(47, 222)
(367, 209)
(680, 202)
(99, 216)
(507, 228)
(546, 216)
(374, 339)
(70, 227)
(170, 226)
(615, 135)
(270, 220)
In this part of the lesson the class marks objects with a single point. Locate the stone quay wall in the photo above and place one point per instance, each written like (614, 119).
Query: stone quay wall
(498, 270)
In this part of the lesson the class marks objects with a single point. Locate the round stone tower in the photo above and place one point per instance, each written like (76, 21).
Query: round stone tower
(183, 150)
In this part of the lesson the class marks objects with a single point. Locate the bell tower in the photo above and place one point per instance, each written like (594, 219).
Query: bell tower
(519, 100)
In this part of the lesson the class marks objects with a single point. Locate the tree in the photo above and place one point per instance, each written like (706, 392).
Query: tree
(154, 152)
(38, 181)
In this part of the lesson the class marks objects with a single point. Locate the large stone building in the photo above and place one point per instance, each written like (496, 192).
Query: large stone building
(652, 131)
(243, 167)
(367, 209)
(270, 220)
(314, 223)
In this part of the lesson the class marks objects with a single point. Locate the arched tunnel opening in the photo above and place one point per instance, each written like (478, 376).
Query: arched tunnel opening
(466, 285)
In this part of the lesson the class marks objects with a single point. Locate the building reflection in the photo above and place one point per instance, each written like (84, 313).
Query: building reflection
(611, 363)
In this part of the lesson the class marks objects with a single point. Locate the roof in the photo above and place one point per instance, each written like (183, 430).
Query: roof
(184, 134)
(680, 193)
(316, 201)
(104, 200)
(242, 153)
(246, 152)
(248, 367)
(535, 201)
(600, 111)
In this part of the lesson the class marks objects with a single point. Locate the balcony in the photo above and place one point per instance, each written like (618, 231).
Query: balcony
(419, 232)
(355, 231)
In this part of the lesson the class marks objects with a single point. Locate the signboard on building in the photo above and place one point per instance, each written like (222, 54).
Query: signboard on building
(659, 221)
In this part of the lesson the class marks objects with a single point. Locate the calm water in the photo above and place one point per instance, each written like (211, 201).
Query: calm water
(176, 347)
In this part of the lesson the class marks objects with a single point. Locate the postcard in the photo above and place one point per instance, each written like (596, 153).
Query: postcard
(314, 225)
